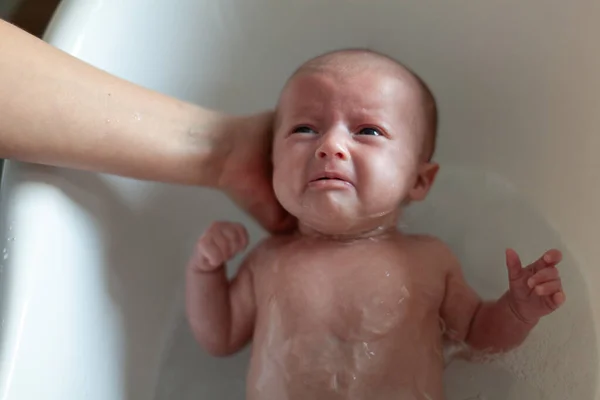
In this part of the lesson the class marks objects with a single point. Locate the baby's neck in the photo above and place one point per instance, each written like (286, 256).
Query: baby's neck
(379, 231)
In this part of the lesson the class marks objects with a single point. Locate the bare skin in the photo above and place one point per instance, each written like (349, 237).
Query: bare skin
(331, 321)
(348, 307)
(57, 110)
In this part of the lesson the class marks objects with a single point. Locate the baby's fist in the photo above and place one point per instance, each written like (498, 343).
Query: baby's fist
(220, 242)
(536, 290)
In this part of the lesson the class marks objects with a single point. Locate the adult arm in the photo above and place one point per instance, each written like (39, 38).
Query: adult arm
(58, 110)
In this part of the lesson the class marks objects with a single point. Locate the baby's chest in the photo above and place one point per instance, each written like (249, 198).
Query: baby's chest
(356, 292)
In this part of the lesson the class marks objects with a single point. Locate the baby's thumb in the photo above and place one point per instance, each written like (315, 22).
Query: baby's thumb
(513, 264)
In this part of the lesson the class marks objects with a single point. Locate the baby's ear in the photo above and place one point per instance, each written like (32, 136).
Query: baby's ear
(425, 176)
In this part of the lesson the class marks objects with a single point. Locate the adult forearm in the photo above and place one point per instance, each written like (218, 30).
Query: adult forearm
(496, 328)
(58, 110)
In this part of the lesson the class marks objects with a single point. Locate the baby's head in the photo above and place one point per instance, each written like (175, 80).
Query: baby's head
(354, 135)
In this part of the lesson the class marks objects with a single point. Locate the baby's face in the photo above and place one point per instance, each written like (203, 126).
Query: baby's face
(347, 150)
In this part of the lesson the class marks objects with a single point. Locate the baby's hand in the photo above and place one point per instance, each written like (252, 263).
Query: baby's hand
(536, 290)
(220, 242)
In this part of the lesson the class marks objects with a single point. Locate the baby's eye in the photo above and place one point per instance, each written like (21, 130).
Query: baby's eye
(369, 131)
(303, 129)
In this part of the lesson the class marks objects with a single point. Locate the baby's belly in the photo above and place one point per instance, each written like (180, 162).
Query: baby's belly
(318, 364)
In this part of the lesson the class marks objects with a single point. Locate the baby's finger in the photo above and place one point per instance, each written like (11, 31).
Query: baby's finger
(548, 288)
(551, 257)
(216, 251)
(242, 234)
(223, 243)
(233, 241)
(237, 239)
(559, 299)
(544, 275)
(207, 252)
(513, 263)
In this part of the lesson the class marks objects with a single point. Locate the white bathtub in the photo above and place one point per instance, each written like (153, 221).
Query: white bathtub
(92, 271)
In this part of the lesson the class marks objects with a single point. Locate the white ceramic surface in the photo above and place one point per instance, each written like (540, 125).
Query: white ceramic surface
(91, 274)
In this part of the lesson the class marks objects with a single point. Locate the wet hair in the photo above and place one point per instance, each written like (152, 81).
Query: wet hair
(346, 59)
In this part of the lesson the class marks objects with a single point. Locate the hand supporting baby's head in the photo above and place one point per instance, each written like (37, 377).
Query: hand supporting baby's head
(354, 135)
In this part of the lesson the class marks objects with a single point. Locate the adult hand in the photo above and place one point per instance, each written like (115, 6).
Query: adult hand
(246, 175)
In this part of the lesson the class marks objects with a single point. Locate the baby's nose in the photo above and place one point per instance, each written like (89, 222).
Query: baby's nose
(337, 154)
(332, 147)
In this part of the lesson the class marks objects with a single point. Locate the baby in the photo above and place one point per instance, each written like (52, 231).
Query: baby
(349, 307)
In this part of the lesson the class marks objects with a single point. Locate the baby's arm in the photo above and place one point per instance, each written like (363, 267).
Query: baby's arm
(221, 313)
(501, 325)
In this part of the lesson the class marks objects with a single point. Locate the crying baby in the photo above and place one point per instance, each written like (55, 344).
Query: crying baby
(348, 306)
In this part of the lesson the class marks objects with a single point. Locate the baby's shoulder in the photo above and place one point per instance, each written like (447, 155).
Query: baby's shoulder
(424, 241)
(433, 248)
(275, 242)
(266, 248)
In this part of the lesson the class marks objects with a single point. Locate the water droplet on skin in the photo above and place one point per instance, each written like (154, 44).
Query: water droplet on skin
(442, 325)
(368, 352)
(405, 291)
(387, 273)
(405, 294)
(108, 121)
(334, 382)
